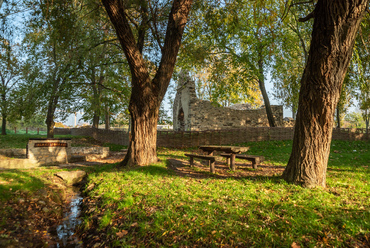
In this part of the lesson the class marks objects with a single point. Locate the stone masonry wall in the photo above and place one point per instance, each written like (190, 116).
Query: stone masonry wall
(193, 114)
(49, 151)
(207, 116)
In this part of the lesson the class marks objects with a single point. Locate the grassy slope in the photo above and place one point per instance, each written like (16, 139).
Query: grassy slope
(152, 206)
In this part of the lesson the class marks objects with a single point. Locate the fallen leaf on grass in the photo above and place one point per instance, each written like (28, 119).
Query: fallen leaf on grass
(134, 224)
(121, 233)
(295, 245)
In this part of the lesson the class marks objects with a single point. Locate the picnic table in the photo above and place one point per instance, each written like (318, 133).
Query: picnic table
(232, 150)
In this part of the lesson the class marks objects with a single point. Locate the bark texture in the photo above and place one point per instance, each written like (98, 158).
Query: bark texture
(3, 114)
(147, 93)
(333, 36)
(50, 122)
(3, 124)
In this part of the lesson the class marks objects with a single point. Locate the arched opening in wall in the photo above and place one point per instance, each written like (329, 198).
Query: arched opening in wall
(181, 121)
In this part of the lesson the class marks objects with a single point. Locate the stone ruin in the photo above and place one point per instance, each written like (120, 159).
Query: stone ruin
(193, 114)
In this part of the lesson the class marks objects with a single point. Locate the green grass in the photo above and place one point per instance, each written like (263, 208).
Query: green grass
(20, 131)
(16, 140)
(15, 180)
(152, 206)
(114, 147)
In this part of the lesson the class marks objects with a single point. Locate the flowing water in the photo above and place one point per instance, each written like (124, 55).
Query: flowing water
(66, 230)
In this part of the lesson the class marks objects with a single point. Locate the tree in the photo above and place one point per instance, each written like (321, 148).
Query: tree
(333, 36)
(291, 56)
(362, 74)
(237, 39)
(345, 98)
(54, 43)
(148, 87)
(355, 120)
(10, 75)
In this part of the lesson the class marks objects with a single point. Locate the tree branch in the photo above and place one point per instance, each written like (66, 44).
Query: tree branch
(286, 10)
(175, 28)
(308, 17)
(116, 13)
(154, 28)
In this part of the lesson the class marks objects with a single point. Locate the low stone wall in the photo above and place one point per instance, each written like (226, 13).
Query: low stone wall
(103, 152)
(17, 164)
(49, 151)
(109, 136)
(62, 131)
(224, 136)
(73, 131)
(13, 152)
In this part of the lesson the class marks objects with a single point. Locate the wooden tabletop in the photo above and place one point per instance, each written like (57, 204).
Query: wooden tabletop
(227, 149)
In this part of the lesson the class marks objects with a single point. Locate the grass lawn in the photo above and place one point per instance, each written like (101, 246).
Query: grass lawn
(155, 206)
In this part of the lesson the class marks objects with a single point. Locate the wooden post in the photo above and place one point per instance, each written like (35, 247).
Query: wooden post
(228, 161)
(232, 161)
(191, 161)
(254, 164)
(211, 166)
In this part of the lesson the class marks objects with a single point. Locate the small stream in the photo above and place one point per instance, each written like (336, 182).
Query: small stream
(66, 230)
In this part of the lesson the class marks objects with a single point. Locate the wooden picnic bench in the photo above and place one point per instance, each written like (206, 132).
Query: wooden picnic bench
(211, 160)
(232, 150)
(256, 160)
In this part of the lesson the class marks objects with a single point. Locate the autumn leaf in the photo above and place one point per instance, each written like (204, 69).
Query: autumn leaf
(295, 245)
(121, 233)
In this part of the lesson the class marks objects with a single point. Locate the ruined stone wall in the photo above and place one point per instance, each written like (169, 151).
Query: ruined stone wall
(210, 117)
(193, 114)
(184, 99)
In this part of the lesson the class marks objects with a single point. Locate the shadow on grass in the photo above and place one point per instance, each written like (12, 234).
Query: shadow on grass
(13, 180)
(199, 171)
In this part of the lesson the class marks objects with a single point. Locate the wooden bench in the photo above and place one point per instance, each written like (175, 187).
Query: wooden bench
(211, 160)
(256, 160)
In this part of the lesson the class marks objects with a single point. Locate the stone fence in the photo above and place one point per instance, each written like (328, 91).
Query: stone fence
(213, 137)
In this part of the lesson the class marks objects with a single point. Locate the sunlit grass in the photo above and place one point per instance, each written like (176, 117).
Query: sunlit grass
(157, 207)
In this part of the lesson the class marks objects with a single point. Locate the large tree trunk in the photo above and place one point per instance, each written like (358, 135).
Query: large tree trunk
(3, 114)
(96, 119)
(334, 31)
(107, 118)
(143, 142)
(3, 124)
(50, 123)
(147, 94)
(53, 101)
